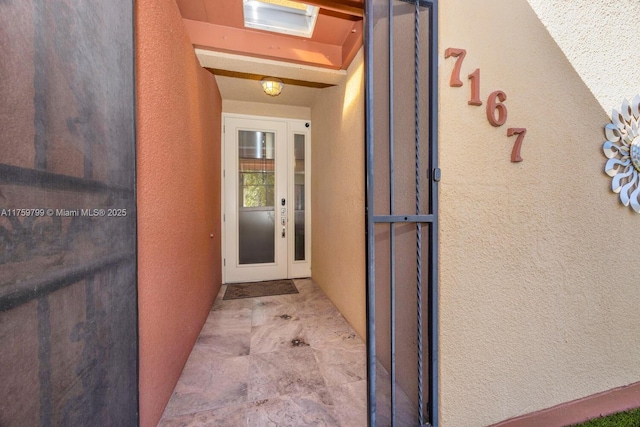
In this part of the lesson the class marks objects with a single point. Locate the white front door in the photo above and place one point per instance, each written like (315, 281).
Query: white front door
(266, 180)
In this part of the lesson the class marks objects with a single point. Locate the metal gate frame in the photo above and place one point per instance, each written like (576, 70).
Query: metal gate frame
(431, 219)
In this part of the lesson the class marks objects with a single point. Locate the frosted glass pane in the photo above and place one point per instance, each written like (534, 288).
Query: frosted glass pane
(299, 177)
(256, 198)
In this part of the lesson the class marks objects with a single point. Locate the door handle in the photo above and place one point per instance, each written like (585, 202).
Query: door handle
(284, 232)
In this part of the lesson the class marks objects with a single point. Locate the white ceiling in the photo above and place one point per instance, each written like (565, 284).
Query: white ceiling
(238, 89)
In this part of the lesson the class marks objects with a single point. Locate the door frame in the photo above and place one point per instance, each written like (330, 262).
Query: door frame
(295, 269)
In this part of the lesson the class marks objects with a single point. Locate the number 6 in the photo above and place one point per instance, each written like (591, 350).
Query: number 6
(493, 105)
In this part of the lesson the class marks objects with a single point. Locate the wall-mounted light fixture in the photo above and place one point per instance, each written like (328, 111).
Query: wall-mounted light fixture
(272, 86)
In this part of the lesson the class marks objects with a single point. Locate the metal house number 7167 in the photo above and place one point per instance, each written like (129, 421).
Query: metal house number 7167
(496, 109)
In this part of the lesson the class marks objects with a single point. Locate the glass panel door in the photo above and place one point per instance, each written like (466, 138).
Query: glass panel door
(300, 196)
(256, 201)
(266, 177)
(255, 191)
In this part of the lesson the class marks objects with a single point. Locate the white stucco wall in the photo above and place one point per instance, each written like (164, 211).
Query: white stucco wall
(538, 272)
(267, 110)
(602, 42)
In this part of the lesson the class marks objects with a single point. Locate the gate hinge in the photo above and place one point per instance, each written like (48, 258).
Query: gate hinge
(437, 174)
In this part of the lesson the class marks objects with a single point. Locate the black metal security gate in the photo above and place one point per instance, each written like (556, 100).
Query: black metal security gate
(402, 223)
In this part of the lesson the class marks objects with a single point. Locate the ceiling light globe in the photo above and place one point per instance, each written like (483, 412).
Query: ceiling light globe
(272, 86)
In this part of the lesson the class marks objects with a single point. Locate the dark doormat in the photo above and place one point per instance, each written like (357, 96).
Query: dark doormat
(260, 289)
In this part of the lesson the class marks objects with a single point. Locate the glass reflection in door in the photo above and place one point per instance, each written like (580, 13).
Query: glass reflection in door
(299, 178)
(256, 197)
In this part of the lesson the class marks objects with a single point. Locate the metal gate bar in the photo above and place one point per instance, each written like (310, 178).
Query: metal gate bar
(416, 92)
(433, 174)
(432, 290)
(392, 230)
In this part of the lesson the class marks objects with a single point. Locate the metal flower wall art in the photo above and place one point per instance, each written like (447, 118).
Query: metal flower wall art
(622, 148)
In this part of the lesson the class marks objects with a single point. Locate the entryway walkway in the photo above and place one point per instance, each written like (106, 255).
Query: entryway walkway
(288, 360)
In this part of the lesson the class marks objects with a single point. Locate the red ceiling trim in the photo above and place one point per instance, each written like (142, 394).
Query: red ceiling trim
(264, 45)
(352, 44)
(348, 7)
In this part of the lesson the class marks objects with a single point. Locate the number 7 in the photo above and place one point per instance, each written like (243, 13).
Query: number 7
(455, 74)
(515, 153)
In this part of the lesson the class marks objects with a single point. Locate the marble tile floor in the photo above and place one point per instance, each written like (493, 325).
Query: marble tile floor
(287, 360)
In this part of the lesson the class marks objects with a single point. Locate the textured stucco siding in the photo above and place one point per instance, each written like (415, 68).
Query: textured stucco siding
(337, 186)
(178, 190)
(601, 40)
(538, 281)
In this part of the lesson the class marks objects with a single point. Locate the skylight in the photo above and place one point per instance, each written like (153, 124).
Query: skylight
(280, 16)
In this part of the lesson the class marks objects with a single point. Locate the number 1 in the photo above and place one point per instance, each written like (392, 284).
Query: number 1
(475, 88)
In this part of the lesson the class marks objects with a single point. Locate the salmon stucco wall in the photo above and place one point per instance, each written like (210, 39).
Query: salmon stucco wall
(538, 276)
(178, 160)
(337, 188)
